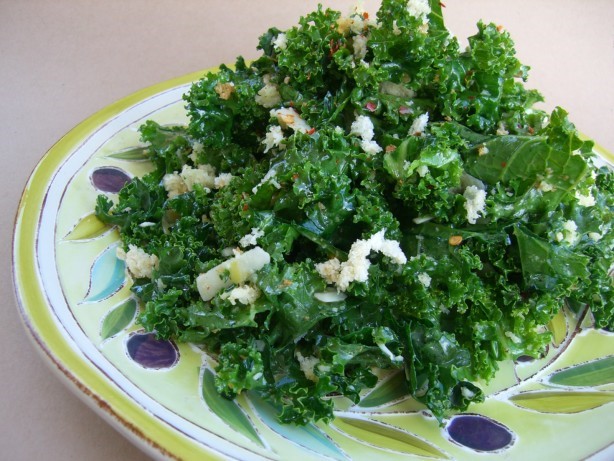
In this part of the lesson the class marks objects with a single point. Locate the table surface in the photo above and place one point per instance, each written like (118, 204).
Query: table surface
(62, 61)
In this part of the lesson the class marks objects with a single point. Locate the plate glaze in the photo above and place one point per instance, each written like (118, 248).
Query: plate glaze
(77, 305)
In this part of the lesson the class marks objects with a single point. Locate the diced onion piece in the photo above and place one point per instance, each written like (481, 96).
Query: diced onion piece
(331, 296)
(233, 271)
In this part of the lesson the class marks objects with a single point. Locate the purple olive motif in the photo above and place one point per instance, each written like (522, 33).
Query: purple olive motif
(525, 358)
(479, 433)
(150, 352)
(109, 179)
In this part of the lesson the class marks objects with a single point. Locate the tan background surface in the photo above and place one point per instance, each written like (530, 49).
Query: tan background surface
(62, 60)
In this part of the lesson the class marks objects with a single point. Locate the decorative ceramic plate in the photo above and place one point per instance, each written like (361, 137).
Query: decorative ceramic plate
(77, 305)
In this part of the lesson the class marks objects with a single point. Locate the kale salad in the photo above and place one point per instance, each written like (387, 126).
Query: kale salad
(366, 196)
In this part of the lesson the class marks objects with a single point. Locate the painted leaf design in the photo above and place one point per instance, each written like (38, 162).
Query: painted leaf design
(558, 328)
(118, 318)
(88, 228)
(391, 390)
(561, 401)
(388, 437)
(308, 436)
(107, 276)
(109, 179)
(131, 154)
(227, 410)
(594, 373)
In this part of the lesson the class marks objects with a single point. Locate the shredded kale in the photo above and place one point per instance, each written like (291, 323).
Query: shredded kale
(418, 213)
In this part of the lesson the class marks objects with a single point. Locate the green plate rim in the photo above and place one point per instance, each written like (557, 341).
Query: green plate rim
(132, 420)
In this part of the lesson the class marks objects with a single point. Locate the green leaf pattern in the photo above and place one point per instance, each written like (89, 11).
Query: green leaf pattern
(359, 423)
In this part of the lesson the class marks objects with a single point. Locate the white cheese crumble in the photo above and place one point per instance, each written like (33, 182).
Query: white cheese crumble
(139, 264)
(329, 270)
(273, 138)
(501, 131)
(570, 232)
(423, 28)
(475, 203)
(360, 46)
(595, 236)
(290, 118)
(419, 125)
(251, 239)
(545, 187)
(422, 170)
(179, 183)
(244, 294)
(419, 9)
(268, 96)
(357, 265)
(174, 185)
(424, 279)
(281, 42)
(222, 180)
(585, 200)
(269, 177)
(363, 128)
(307, 364)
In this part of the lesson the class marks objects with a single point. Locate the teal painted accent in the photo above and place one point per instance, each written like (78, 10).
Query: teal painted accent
(308, 436)
(227, 410)
(107, 276)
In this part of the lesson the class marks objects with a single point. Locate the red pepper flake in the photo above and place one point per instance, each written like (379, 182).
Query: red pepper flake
(442, 4)
(245, 207)
(311, 131)
(291, 104)
(503, 164)
(499, 28)
(295, 176)
(334, 45)
(404, 110)
(365, 15)
(370, 106)
(530, 130)
(391, 148)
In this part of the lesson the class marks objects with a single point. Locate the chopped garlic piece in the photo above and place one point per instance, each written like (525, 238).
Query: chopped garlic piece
(236, 271)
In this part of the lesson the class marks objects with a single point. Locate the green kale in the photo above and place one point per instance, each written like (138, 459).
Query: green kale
(417, 214)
